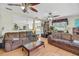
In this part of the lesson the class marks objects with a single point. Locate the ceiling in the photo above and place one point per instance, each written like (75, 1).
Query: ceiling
(62, 9)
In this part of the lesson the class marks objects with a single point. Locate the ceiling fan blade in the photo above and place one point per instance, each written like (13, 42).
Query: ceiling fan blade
(14, 4)
(33, 9)
(33, 4)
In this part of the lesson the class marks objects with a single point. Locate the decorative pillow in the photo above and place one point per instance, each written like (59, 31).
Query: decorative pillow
(76, 41)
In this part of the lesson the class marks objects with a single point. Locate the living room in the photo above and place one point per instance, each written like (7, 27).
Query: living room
(41, 23)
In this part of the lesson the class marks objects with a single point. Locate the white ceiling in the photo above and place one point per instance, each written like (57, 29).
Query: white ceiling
(62, 9)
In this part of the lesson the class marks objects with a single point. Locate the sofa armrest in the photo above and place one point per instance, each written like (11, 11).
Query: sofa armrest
(8, 46)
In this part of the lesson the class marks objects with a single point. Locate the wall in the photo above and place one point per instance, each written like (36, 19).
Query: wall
(71, 23)
(9, 18)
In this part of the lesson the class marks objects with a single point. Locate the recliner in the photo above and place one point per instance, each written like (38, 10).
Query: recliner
(66, 42)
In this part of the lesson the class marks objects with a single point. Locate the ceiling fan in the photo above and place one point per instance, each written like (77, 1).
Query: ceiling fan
(26, 6)
(50, 15)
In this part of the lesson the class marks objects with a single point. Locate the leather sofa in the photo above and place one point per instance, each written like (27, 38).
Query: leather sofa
(65, 41)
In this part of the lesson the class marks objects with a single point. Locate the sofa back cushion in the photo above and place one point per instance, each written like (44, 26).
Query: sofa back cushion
(11, 36)
(56, 35)
(66, 36)
(22, 34)
(75, 37)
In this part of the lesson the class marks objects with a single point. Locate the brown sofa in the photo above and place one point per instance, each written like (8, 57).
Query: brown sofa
(65, 41)
(13, 40)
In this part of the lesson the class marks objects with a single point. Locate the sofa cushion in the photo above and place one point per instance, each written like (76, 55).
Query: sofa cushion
(75, 37)
(62, 40)
(15, 38)
(74, 43)
(25, 41)
(16, 42)
(66, 36)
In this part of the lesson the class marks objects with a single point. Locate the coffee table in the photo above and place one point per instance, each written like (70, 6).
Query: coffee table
(32, 46)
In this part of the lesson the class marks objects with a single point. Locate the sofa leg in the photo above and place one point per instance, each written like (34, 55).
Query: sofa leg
(28, 53)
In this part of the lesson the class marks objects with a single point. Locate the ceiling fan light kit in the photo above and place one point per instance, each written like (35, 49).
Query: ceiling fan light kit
(24, 10)
(22, 7)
